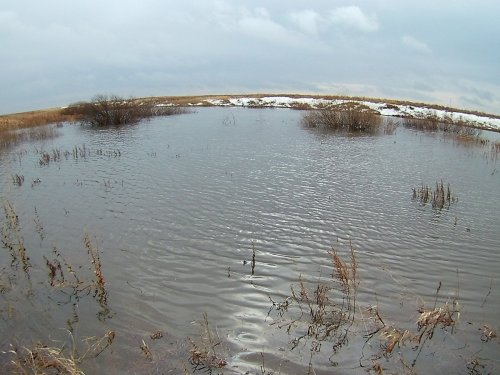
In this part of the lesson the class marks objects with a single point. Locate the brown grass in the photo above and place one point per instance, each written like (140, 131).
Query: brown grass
(207, 351)
(12, 238)
(99, 285)
(45, 360)
(440, 197)
(325, 312)
(32, 119)
(12, 137)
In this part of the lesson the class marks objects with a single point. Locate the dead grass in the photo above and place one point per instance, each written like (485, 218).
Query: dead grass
(42, 359)
(12, 137)
(13, 240)
(207, 351)
(32, 119)
(440, 197)
(99, 284)
(324, 312)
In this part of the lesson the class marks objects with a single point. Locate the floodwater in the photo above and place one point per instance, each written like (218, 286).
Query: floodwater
(178, 206)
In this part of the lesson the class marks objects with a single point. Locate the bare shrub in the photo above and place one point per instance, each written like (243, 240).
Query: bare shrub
(347, 118)
(114, 110)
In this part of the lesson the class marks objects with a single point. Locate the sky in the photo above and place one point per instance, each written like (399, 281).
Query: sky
(53, 53)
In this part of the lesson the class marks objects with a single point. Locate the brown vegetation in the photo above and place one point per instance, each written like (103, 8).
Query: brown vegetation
(324, 313)
(440, 197)
(347, 117)
(113, 110)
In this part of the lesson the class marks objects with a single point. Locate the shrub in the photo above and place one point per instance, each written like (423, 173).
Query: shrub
(113, 110)
(343, 118)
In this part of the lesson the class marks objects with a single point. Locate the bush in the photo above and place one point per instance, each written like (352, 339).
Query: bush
(113, 110)
(347, 118)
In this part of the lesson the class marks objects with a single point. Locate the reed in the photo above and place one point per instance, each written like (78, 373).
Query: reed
(440, 197)
(18, 179)
(12, 137)
(390, 127)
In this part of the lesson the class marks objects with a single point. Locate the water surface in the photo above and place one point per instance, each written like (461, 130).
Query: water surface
(177, 205)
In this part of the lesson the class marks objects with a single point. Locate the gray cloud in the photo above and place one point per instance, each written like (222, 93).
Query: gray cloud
(53, 53)
(415, 44)
(353, 17)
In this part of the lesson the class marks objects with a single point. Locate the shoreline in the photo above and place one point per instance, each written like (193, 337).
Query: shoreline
(384, 107)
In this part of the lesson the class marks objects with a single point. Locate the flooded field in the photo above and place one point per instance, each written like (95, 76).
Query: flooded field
(215, 242)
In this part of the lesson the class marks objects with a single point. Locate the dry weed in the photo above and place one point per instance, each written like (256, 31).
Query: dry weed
(99, 284)
(12, 239)
(205, 352)
(440, 197)
(325, 312)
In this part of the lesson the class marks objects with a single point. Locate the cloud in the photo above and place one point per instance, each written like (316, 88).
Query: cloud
(415, 44)
(352, 17)
(307, 20)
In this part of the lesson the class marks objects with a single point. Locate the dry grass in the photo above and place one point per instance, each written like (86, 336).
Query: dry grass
(12, 238)
(206, 351)
(33, 119)
(43, 360)
(325, 312)
(12, 137)
(440, 197)
(46, 360)
(99, 284)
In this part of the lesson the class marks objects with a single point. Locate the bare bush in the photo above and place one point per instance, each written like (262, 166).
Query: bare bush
(346, 118)
(113, 110)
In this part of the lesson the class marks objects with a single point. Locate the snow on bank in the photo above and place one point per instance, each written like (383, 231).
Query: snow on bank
(385, 109)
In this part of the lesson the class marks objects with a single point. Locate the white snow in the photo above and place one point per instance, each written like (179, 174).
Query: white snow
(384, 109)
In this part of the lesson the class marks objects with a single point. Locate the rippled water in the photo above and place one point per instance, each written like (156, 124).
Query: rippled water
(177, 206)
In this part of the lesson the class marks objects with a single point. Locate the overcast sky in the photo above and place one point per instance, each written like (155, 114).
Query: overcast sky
(53, 52)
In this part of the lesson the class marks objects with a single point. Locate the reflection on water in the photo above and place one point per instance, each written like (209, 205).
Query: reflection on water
(178, 204)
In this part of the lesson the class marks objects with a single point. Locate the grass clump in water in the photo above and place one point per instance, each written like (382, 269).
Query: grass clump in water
(440, 197)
